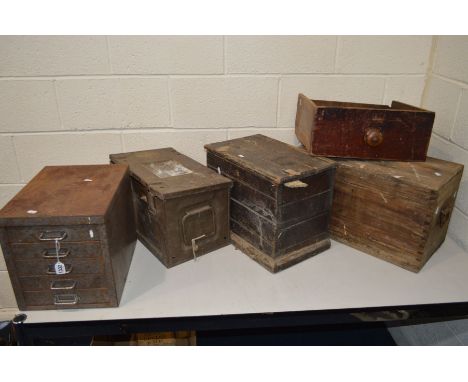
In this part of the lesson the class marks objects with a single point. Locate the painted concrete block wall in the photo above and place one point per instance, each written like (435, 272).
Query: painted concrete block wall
(76, 99)
(446, 93)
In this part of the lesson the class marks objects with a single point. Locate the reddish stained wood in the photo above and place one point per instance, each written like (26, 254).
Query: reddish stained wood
(366, 131)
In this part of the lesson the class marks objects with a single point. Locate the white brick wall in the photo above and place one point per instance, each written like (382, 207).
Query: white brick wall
(166, 55)
(446, 93)
(77, 99)
(383, 54)
(53, 55)
(28, 105)
(113, 103)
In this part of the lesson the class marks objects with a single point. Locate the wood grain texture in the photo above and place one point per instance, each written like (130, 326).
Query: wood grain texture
(366, 131)
(269, 158)
(280, 201)
(283, 262)
(396, 211)
(176, 199)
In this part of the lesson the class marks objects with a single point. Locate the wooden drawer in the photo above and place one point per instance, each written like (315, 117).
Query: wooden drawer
(62, 283)
(47, 234)
(46, 250)
(73, 267)
(66, 299)
(354, 130)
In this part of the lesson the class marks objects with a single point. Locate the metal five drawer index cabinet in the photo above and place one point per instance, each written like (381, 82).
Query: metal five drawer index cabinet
(68, 237)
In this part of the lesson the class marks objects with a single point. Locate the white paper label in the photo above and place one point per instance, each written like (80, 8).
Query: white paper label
(91, 233)
(59, 268)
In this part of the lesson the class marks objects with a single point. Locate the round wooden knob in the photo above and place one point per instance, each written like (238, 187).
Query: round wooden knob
(373, 137)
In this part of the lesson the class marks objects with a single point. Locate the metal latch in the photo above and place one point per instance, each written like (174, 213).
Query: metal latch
(195, 246)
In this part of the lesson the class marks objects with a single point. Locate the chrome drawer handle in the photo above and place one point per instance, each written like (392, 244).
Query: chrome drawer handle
(51, 269)
(66, 299)
(62, 284)
(52, 235)
(50, 253)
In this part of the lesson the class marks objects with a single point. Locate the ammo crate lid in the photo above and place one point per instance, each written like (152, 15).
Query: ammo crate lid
(170, 174)
(65, 195)
(432, 174)
(275, 160)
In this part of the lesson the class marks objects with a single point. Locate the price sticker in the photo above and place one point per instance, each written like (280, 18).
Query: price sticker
(59, 266)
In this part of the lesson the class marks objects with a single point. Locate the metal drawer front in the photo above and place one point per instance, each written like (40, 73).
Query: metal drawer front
(48, 234)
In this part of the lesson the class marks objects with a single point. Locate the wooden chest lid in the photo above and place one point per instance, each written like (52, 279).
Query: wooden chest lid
(432, 174)
(170, 174)
(65, 195)
(272, 159)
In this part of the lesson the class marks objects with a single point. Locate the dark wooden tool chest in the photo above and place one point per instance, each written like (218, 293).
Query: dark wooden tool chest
(396, 211)
(357, 130)
(181, 206)
(280, 201)
(87, 211)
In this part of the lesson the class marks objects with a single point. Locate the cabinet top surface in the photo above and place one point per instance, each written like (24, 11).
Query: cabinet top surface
(169, 173)
(66, 191)
(270, 158)
(432, 174)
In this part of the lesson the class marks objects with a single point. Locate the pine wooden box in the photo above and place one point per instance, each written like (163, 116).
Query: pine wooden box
(396, 211)
(181, 207)
(88, 210)
(366, 131)
(280, 201)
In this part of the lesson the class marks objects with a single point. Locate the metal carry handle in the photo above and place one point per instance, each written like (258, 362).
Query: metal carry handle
(67, 284)
(66, 299)
(51, 269)
(148, 200)
(46, 253)
(49, 235)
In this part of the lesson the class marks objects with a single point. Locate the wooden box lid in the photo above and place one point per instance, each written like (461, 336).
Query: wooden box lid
(170, 174)
(432, 174)
(65, 195)
(275, 160)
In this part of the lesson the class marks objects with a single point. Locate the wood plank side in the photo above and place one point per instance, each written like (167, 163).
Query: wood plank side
(341, 133)
(442, 214)
(305, 121)
(238, 173)
(385, 220)
(341, 129)
(278, 264)
(274, 239)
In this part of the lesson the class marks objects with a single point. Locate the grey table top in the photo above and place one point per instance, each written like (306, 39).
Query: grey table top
(228, 282)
